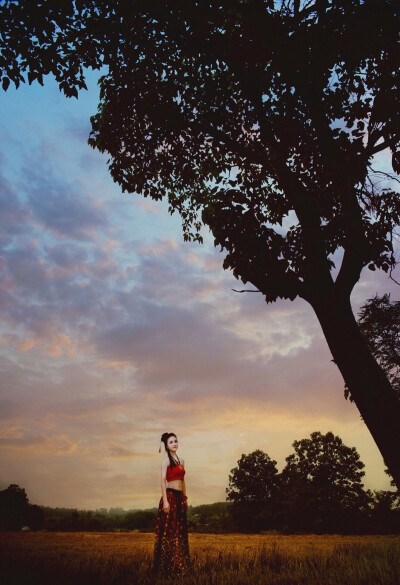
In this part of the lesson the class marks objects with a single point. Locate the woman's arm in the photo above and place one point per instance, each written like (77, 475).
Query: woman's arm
(164, 466)
(184, 493)
(183, 480)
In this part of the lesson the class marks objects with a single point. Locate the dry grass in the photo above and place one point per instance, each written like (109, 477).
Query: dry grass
(46, 558)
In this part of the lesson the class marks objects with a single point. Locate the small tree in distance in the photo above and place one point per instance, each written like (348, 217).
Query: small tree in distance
(15, 510)
(252, 491)
(321, 485)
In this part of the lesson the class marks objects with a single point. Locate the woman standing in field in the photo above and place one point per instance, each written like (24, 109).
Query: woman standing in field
(171, 549)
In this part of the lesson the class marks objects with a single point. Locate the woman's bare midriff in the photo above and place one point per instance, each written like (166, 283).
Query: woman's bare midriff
(175, 484)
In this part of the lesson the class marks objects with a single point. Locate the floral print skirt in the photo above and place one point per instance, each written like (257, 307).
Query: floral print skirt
(171, 548)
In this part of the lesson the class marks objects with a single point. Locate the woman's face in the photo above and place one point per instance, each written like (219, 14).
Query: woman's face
(172, 443)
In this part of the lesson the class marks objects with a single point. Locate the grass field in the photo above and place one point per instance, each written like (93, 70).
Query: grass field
(83, 558)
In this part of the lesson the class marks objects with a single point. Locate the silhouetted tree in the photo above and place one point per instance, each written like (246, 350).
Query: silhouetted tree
(379, 321)
(252, 487)
(385, 512)
(321, 486)
(260, 119)
(14, 508)
(35, 517)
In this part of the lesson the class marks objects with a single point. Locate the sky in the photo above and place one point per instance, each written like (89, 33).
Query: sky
(114, 330)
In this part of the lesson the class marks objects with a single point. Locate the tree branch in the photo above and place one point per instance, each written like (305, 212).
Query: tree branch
(380, 147)
(240, 149)
(302, 202)
(390, 176)
(352, 263)
(245, 290)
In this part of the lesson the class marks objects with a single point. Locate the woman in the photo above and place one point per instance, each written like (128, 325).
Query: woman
(171, 549)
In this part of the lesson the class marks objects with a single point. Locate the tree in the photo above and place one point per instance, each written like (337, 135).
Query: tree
(252, 487)
(379, 321)
(259, 119)
(385, 513)
(140, 520)
(14, 508)
(36, 517)
(321, 486)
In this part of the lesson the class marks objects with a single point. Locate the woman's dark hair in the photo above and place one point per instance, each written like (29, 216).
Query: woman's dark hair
(164, 439)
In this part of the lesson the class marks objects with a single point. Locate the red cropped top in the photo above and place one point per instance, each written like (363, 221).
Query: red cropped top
(175, 472)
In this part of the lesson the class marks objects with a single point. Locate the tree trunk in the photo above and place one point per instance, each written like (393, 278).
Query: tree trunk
(371, 391)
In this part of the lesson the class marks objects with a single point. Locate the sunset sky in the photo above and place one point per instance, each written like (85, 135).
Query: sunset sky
(113, 330)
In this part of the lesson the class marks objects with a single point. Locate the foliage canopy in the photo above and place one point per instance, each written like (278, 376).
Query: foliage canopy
(379, 321)
(252, 487)
(322, 480)
(259, 118)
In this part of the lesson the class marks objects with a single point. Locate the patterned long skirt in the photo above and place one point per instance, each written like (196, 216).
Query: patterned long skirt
(171, 548)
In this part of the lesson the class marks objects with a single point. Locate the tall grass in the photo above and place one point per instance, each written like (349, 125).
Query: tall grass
(125, 559)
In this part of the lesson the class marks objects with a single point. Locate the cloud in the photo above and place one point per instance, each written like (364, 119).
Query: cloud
(148, 206)
(58, 444)
(118, 452)
(70, 258)
(63, 206)
(14, 213)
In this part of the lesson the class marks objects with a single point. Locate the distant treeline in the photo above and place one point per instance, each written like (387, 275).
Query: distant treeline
(319, 490)
(16, 512)
(382, 518)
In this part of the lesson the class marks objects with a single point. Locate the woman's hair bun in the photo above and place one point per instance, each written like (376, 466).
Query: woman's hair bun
(165, 437)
